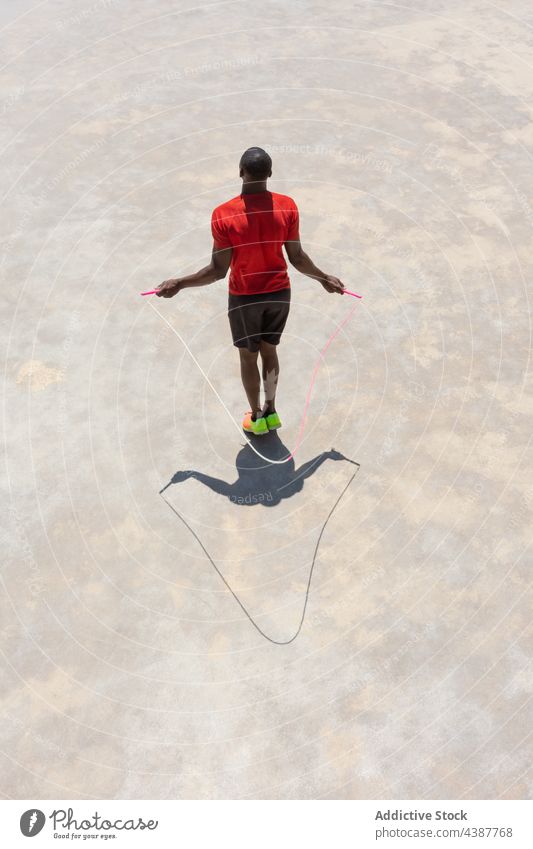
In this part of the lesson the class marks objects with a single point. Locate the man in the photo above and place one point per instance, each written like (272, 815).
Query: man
(249, 232)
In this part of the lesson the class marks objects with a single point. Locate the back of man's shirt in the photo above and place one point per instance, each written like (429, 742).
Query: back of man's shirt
(256, 226)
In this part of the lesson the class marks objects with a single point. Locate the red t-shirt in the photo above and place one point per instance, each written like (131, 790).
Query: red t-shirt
(256, 226)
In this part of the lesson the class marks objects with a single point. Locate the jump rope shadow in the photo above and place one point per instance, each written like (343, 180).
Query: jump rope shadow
(260, 482)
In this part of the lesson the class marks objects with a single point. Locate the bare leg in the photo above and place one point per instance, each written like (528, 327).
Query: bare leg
(270, 370)
(251, 380)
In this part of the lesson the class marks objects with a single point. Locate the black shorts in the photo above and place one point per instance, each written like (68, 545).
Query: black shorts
(256, 317)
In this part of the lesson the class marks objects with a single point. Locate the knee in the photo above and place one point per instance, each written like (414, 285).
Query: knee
(268, 351)
(248, 357)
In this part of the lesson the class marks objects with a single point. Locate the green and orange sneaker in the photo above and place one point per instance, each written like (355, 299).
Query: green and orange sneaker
(257, 427)
(273, 421)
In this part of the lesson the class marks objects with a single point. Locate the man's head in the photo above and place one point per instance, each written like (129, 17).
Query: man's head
(255, 165)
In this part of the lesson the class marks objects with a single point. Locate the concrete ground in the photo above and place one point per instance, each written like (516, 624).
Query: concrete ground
(405, 134)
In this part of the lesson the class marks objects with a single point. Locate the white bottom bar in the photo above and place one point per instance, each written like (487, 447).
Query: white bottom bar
(269, 824)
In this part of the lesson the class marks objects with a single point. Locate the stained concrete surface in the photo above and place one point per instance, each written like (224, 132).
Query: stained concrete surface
(405, 133)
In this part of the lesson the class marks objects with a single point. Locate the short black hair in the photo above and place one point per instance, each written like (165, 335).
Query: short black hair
(256, 162)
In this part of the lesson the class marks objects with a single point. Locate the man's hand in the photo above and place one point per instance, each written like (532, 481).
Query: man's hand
(305, 265)
(168, 288)
(333, 284)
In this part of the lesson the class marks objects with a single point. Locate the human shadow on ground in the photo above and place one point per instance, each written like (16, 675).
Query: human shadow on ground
(259, 481)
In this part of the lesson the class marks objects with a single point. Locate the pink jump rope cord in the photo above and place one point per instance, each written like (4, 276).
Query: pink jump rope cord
(311, 385)
(313, 378)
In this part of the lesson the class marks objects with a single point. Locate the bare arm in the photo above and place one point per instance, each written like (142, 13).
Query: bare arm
(303, 263)
(216, 270)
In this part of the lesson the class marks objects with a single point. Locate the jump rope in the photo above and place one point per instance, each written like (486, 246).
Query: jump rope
(286, 459)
